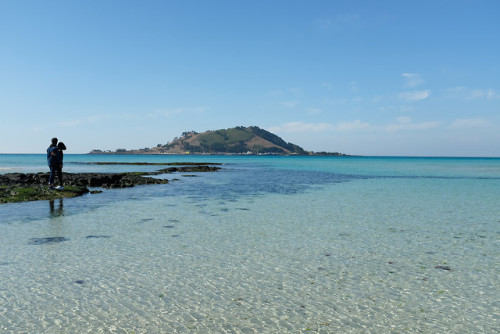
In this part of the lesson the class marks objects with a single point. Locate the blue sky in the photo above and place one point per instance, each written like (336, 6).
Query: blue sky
(358, 77)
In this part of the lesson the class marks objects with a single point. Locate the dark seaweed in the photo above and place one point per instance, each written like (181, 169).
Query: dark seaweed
(49, 240)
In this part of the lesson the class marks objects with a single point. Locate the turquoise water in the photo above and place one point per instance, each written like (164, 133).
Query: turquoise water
(266, 245)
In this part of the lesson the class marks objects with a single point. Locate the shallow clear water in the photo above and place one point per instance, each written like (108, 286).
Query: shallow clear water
(267, 245)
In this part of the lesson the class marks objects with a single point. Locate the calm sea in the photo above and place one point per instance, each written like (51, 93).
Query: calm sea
(266, 245)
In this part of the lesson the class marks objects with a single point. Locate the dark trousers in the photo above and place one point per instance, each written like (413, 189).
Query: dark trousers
(53, 171)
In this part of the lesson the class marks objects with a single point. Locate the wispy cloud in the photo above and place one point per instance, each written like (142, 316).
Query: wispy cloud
(405, 123)
(354, 125)
(320, 127)
(401, 124)
(471, 94)
(469, 123)
(416, 95)
(301, 127)
(413, 79)
(484, 94)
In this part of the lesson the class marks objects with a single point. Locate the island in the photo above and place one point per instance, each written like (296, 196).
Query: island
(240, 140)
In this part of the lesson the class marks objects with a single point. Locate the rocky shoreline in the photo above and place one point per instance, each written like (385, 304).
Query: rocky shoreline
(20, 187)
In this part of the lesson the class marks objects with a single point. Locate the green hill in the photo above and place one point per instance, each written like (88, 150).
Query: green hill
(238, 140)
(234, 140)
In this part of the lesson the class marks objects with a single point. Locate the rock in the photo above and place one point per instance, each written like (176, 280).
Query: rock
(49, 240)
(442, 267)
(190, 169)
(19, 187)
(34, 192)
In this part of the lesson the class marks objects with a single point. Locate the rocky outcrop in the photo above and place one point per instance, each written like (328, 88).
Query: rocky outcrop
(105, 180)
(19, 187)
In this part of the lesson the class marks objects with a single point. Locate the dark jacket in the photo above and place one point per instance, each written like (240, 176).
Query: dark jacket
(54, 157)
(59, 157)
(49, 150)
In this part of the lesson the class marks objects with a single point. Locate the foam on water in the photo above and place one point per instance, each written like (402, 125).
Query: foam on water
(259, 248)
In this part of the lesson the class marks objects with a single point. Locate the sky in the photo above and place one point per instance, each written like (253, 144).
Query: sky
(406, 78)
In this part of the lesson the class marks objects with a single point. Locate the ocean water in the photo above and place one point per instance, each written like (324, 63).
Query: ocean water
(266, 245)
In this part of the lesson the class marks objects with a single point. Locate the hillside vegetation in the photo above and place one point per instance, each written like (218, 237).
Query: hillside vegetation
(234, 140)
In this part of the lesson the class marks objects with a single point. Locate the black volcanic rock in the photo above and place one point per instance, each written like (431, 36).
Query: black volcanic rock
(19, 187)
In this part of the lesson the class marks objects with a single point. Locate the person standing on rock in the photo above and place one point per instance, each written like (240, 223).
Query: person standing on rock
(51, 161)
(55, 162)
(59, 157)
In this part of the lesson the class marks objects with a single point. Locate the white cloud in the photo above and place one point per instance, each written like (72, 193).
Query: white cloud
(416, 95)
(301, 127)
(464, 92)
(349, 126)
(319, 127)
(413, 79)
(469, 123)
(484, 94)
(405, 123)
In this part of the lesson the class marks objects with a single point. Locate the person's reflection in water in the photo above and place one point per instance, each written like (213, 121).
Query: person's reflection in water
(56, 212)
